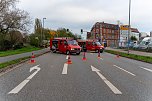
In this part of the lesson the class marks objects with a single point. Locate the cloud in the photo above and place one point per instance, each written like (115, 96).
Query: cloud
(77, 14)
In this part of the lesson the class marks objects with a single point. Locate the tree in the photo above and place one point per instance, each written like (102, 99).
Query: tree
(133, 38)
(12, 19)
(38, 28)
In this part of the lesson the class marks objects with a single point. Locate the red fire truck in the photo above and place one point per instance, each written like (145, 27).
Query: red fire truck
(64, 45)
(90, 45)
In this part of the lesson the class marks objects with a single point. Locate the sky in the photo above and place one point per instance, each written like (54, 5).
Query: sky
(83, 14)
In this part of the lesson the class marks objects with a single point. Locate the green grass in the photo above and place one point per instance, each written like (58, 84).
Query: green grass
(5, 64)
(132, 56)
(18, 51)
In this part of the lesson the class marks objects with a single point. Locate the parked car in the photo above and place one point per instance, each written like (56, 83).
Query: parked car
(136, 46)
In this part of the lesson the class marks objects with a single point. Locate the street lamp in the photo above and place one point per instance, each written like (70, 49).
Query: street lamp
(43, 29)
(129, 24)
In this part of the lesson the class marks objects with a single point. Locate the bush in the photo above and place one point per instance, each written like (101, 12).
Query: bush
(18, 46)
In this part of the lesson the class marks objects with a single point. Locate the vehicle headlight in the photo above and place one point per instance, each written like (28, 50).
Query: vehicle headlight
(72, 48)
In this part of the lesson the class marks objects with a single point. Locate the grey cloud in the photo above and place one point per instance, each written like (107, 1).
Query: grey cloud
(77, 14)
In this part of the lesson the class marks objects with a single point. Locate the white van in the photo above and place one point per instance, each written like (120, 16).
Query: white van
(145, 42)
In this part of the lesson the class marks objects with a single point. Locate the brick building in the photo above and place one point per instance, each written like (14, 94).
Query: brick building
(107, 33)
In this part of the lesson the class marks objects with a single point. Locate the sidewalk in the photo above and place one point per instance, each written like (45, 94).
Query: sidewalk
(17, 56)
(131, 52)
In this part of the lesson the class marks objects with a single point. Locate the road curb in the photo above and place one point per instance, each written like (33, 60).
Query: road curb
(118, 52)
(5, 69)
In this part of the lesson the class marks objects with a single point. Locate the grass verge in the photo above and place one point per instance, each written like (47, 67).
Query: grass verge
(132, 56)
(5, 64)
(18, 51)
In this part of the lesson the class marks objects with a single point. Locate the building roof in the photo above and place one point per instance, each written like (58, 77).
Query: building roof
(134, 30)
(105, 25)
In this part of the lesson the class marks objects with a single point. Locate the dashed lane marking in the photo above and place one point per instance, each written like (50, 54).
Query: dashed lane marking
(146, 69)
(65, 69)
(124, 70)
(67, 57)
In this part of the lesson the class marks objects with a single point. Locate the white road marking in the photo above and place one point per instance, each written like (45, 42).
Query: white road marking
(67, 57)
(65, 69)
(19, 87)
(101, 58)
(124, 70)
(109, 84)
(91, 53)
(146, 69)
(23, 83)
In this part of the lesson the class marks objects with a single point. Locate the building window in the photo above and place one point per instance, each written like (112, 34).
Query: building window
(112, 31)
(104, 30)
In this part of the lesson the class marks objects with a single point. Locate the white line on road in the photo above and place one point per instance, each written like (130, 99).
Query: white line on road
(109, 84)
(146, 69)
(91, 53)
(23, 83)
(65, 69)
(101, 58)
(124, 70)
(67, 57)
(19, 87)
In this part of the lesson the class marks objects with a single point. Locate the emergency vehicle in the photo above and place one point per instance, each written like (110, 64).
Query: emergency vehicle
(64, 45)
(91, 45)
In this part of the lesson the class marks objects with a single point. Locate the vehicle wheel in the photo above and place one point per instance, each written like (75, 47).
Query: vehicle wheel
(78, 53)
(101, 51)
(67, 52)
(85, 50)
(54, 50)
(97, 51)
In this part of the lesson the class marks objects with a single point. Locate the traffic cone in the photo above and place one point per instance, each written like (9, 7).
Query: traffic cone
(69, 60)
(32, 58)
(84, 57)
(99, 54)
(118, 56)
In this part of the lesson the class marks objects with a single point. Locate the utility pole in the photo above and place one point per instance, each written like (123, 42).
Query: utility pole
(129, 24)
(43, 36)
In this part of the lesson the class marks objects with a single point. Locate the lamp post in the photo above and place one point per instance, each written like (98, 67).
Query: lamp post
(43, 36)
(129, 24)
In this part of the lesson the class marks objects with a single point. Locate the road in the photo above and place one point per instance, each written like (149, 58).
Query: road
(107, 78)
(17, 56)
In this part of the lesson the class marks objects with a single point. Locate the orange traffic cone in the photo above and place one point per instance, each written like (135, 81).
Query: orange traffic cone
(99, 54)
(69, 60)
(32, 58)
(118, 56)
(84, 57)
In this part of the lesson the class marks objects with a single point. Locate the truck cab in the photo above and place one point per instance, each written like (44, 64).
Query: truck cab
(64, 45)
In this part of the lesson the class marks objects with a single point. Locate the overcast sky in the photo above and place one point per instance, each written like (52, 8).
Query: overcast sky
(82, 14)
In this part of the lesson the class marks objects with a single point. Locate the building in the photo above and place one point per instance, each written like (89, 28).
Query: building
(105, 32)
(124, 35)
(88, 35)
(151, 34)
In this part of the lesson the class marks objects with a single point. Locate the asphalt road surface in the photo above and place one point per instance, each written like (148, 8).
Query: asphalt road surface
(107, 78)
